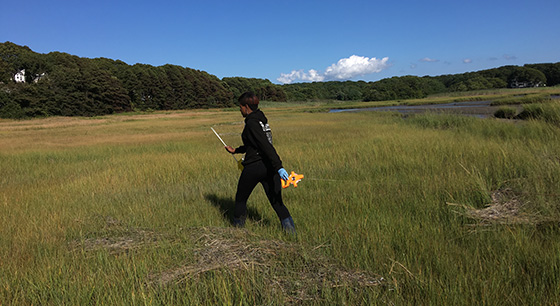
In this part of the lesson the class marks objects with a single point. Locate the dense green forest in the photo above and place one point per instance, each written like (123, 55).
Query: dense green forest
(62, 84)
(59, 84)
(408, 87)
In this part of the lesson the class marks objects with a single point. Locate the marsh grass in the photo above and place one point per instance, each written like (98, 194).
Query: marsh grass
(137, 210)
(548, 112)
(523, 99)
(506, 112)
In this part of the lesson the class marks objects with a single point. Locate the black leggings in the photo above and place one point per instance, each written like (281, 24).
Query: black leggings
(253, 174)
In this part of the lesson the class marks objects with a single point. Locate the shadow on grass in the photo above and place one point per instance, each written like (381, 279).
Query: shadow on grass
(226, 206)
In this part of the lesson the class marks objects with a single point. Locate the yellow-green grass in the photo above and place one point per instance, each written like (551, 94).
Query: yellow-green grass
(136, 210)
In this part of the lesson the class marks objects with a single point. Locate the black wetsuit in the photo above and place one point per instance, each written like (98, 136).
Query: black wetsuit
(261, 165)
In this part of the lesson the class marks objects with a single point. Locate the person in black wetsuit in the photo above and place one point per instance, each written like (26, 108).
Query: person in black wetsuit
(261, 164)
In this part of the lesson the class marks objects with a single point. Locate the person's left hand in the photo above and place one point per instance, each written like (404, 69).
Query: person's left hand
(283, 174)
(230, 149)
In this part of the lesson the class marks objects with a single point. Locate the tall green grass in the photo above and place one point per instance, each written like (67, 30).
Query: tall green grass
(548, 112)
(99, 211)
(523, 99)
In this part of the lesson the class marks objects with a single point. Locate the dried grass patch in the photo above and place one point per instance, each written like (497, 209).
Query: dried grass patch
(506, 207)
(230, 249)
(125, 239)
(287, 268)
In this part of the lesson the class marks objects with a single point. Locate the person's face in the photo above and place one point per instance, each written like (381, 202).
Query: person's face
(244, 109)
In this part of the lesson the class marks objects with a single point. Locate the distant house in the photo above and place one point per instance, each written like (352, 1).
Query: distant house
(38, 77)
(20, 76)
(524, 84)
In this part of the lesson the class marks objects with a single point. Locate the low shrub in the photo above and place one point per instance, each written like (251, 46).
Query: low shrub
(506, 112)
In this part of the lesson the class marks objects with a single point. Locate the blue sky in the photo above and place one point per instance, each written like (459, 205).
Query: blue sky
(294, 41)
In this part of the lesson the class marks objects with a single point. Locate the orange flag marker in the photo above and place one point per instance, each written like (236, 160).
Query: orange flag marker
(293, 179)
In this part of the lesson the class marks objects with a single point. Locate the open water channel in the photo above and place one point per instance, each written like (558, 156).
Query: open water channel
(481, 109)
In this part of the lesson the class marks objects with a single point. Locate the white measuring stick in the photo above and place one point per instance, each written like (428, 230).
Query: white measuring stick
(220, 138)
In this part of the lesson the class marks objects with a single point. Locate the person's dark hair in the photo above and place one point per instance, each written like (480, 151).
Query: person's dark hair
(250, 99)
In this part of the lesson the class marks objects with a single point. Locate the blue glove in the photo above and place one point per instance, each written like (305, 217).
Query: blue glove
(283, 174)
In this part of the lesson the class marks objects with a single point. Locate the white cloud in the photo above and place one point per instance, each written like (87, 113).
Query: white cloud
(311, 76)
(429, 60)
(353, 66)
(467, 61)
(344, 69)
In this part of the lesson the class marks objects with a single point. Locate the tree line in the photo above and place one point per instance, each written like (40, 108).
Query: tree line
(60, 84)
(409, 87)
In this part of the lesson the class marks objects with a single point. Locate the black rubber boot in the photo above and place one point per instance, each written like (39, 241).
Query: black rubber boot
(288, 225)
(239, 222)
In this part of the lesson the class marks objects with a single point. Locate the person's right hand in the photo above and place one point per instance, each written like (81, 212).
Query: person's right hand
(283, 174)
